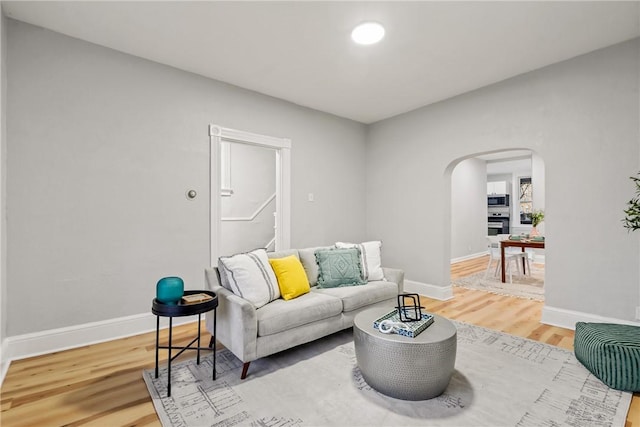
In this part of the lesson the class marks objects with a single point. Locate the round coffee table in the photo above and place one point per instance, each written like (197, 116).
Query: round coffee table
(406, 368)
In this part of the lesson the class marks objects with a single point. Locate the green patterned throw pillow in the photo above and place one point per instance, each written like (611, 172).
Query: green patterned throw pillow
(339, 267)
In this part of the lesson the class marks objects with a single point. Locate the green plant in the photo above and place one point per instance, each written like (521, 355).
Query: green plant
(632, 218)
(536, 217)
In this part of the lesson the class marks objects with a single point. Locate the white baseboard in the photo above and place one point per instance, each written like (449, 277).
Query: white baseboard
(35, 344)
(568, 318)
(537, 257)
(441, 293)
(4, 360)
(468, 257)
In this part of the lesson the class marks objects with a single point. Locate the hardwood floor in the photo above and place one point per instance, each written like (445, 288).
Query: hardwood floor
(101, 384)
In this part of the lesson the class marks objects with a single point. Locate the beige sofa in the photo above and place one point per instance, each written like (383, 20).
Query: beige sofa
(251, 333)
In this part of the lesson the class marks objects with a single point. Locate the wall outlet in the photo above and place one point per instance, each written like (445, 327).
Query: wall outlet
(637, 313)
(310, 197)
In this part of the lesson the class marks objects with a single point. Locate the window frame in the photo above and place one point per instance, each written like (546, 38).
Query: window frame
(525, 198)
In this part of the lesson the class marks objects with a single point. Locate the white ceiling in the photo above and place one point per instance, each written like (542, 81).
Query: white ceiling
(301, 51)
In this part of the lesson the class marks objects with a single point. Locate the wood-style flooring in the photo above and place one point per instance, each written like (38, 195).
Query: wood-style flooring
(101, 384)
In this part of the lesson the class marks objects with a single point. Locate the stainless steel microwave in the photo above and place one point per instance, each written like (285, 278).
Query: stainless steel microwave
(498, 200)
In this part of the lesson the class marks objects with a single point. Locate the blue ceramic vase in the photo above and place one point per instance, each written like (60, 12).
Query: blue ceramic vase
(169, 290)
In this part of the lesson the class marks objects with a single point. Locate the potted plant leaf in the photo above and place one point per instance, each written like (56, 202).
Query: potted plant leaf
(632, 213)
(537, 217)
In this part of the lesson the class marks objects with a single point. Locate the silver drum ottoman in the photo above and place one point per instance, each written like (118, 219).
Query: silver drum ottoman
(406, 368)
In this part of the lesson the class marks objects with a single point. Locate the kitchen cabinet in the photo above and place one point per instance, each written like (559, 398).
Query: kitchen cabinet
(497, 187)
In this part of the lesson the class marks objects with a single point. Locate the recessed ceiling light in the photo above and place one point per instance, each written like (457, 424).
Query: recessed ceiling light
(368, 33)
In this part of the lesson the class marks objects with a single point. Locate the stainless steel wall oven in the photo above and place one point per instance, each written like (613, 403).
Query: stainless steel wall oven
(498, 221)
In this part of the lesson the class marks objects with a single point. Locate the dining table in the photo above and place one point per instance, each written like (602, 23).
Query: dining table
(520, 243)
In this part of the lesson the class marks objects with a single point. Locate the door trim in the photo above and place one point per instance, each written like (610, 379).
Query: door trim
(282, 146)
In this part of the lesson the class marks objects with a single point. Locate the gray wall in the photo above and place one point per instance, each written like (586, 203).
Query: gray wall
(102, 147)
(3, 192)
(581, 116)
(468, 208)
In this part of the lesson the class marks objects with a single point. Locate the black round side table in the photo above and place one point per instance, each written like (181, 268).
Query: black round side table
(181, 310)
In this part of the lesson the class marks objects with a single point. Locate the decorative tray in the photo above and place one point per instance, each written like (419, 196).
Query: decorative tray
(414, 327)
(182, 309)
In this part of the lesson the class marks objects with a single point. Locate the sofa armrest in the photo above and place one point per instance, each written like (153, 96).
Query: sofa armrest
(236, 320)
(395, 275)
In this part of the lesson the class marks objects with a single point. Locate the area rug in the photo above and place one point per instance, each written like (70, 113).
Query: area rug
(499, 380)
(529, 286)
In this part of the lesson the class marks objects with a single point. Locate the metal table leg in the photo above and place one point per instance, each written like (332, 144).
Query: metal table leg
(215, 311)
(199, 321)
(169, 358)
(157, 342)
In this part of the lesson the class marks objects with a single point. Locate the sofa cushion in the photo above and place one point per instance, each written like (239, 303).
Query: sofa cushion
(308, 260)
(370, 258)
(339, 267)
(250, 276)
(281, 315)
(292, 280)
(357, 297)
(283, 253)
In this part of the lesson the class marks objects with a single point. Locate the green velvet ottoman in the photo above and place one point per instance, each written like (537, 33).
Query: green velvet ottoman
(611, 352)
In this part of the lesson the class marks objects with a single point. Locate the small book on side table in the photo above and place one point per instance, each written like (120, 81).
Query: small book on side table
(195, 298)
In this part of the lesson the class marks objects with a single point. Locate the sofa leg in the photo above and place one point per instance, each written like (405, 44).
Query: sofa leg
(212, 342)
(245, 368)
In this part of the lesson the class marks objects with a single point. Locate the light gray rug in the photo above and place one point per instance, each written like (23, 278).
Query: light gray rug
(500, 380)
(529, 286)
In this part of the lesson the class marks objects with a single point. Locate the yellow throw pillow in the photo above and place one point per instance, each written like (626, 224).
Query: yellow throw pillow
(292, 280)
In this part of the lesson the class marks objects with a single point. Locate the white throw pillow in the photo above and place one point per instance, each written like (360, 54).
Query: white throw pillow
(250, 276)
(370, 258)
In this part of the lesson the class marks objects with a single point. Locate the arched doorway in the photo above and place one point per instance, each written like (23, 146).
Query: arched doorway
(515, 180)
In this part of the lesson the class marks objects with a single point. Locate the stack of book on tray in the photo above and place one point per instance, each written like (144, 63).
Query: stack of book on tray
(195, 298)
